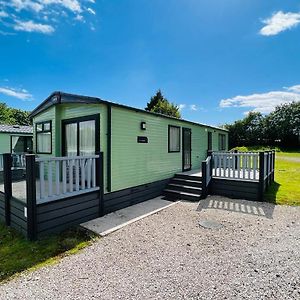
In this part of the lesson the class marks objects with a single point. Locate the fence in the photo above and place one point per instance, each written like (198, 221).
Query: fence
(245, 174)
(60, 192)
(61, 177)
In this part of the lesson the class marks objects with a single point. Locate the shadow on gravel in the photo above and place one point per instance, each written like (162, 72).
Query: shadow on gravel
(239, 206)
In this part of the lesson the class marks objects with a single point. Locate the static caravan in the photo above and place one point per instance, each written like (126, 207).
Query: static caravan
(15, 139)
(141, 150)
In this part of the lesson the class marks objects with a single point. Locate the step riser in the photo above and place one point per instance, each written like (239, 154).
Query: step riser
(174, 196)
(184, 189)
(183, 182)
(188, 177)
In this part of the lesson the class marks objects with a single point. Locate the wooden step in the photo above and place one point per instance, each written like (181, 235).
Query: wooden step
(185, 188)
(189, 177)
(189, 182)
(174, 194)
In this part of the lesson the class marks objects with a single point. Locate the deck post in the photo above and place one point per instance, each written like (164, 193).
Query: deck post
(7, 176)
(270, 167)
(267, 171)
(100, 182)
(210, 153)
(273, 166)
(31, 197)
(261, 175)
(204, 177)
(235, 160)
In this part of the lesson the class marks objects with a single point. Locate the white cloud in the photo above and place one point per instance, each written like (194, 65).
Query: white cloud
(193, 107)
(262, 102)
(279, 22)
(181, 106)
(49, 11)
(30, 26)
(20, 94)
(3, 14)
(72, 5)
(91, 11)
(294, 88)
(26, 4)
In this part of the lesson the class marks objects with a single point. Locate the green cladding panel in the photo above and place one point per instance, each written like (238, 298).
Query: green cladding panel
(136, 163)
(4, 143)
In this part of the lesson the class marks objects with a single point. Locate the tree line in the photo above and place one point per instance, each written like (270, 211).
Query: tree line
(13, 116)
(279, 128)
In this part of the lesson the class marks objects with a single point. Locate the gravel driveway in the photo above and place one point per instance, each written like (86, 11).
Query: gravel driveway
(255, 255)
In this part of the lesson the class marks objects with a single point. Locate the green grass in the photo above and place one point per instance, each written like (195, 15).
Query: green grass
(286, 188)
(18, 254)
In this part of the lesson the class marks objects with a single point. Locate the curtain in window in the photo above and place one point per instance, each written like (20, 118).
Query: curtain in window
(87, 138)
(174, 139)
(17, 144)
(44, 142)
(71, 139)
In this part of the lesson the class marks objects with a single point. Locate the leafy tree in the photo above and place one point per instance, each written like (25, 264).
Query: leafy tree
(159, 104)
(248, 131)
(13, 116)
(4, 113)
(284, 124)
(20, 117)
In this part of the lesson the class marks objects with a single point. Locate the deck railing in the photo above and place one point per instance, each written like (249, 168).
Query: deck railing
(243, 165)
(60, 177)
(250, 166)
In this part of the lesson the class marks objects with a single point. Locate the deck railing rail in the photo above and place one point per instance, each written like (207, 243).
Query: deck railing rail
(60, 177)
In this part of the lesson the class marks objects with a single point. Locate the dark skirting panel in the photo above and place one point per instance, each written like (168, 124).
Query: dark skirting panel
(124, 198)
(55, 216)
(18, 220)
(239, 189)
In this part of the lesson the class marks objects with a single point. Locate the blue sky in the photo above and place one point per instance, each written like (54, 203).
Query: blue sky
(216, 59)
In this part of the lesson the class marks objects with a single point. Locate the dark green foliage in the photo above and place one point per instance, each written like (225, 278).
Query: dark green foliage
(13, 116)
(159, 104)
(281, 127)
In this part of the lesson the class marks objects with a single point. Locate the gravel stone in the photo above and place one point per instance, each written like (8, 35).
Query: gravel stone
(255, 255)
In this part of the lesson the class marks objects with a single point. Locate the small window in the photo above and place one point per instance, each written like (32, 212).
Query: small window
(222, 142)
(174, 139)
(44, 138)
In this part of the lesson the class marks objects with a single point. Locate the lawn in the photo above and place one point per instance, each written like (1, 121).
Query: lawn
(286, 188)
(18, 254)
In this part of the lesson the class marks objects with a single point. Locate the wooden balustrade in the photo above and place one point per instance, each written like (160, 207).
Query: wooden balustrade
(60, 177)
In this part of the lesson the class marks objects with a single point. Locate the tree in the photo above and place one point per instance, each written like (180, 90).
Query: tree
(159, 104)
(284, 124)
(280, 127)
(20, 117)
(248, 131)
(13, 116)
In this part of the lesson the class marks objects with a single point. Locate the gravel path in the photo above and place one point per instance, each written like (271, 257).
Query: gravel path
(255, 255)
